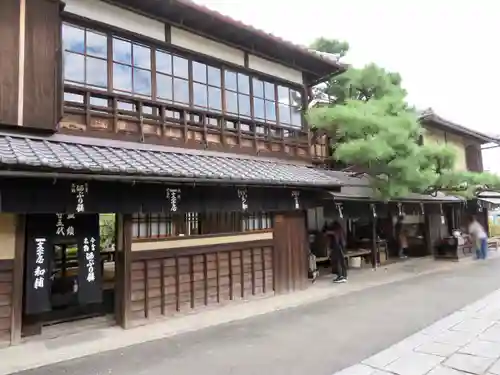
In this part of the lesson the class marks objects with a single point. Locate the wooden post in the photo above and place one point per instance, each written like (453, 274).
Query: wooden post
(123, 231)
(18, 280)
(374, 242)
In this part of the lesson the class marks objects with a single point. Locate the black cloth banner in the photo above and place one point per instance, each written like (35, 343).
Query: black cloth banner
(89, 262)
(39, 254)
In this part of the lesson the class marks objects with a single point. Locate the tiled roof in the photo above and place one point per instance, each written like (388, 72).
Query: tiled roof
(76, 154)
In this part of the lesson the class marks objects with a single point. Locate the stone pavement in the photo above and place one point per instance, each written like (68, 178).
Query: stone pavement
(465, 342)
(51, 351)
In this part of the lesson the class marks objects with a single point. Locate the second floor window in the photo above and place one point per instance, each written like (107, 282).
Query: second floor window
(110, 63)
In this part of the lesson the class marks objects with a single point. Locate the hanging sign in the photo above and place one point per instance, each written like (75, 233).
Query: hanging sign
(400, 209)
(65, 225)
(243, 196)
(295, 196)
(443, 219)
(80, 191)
(340, 210)
(89, 263)
(173, 196)
(422, 209)
(479, 205)
(39, 253)
(374, 210)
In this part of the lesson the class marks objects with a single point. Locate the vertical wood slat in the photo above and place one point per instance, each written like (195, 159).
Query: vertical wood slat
(177, 286)
(252, 267)
(263, 261)
(242, 275)
(162, 285)
(146, 288)
(231, 276)
(191, 276)
(205, 277)
(217, 270)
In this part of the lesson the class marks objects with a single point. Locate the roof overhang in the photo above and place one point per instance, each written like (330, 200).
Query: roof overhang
(205, 21)
(432, 119)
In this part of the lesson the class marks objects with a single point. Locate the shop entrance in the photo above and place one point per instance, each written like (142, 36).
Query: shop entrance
(69, 269)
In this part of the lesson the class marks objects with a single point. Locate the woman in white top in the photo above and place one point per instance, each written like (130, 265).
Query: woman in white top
(479, 237)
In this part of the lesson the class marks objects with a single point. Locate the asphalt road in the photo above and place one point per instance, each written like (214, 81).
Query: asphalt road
(317, 339)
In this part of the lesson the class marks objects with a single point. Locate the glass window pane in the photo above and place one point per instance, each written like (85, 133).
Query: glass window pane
(73, 38)
(97, 45)
(142, 82)
(122, 51)
(215, 98)
(181, 67)
(142, 57)
(285, 114)
(122, 77)
(258, 88)
(163, 62)
(199, 72)
(230, 81)
(243, 83)
(270, 111)
(269, 91)
(231, 102)
(295, 98)
(164, 87)
(284, 95)
(200, 95)
(213, 76)
(258, 108)
(296, 117)
(98, 101)
(244, 105)
(97, 72)
(181, 90)
(74, 67)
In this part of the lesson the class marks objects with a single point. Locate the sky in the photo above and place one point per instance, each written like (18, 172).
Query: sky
(447, 51)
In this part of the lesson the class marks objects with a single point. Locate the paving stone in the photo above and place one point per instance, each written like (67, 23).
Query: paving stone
(495, 369)
(383, 358)
(457, 338)
(414, 364)
(357, 370)
(480, 348)
(491, 334)
(469, 363)
(437, 348)
(441, 370)
(475, 326)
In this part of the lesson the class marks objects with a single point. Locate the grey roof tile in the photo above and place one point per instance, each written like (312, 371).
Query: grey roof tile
(22, 151)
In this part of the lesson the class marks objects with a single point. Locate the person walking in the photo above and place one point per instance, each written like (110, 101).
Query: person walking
(337, 256)
(479, 237)
(401, 238)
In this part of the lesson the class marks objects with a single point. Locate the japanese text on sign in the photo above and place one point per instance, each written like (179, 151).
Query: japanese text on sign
(242, 194)
(80, 190)
(173, 195)
(65, 228)
(89, 248)
(295, 196)
(39, 272)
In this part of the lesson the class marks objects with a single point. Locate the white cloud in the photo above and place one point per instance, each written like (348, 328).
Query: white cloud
(446, 50)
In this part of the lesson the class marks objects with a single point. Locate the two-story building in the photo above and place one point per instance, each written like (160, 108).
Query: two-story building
(183, 124)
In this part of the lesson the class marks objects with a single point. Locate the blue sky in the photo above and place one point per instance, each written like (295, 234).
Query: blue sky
(447, 51)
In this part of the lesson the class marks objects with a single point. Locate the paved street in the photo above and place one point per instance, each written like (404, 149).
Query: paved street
(320, 338)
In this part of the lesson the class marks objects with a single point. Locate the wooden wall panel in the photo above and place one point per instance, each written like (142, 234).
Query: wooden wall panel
(42, 69)
(290, 252)
(169, 284)
(6, 284)
(9, 61)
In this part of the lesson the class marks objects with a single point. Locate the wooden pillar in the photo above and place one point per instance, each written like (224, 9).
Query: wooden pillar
(375, 255)
(18, 280)
(123, 230)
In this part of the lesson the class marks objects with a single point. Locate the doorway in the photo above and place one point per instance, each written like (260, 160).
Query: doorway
(69, 270)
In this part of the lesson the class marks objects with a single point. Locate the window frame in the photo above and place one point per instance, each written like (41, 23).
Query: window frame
(110, 32)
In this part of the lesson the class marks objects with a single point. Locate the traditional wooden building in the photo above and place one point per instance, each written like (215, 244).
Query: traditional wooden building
(182, 125)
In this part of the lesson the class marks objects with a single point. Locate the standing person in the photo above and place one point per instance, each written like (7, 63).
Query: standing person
(401, 238)
(337, 245)
(479, 237)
